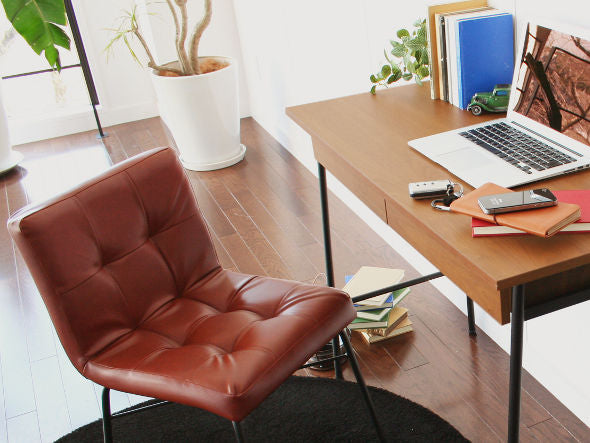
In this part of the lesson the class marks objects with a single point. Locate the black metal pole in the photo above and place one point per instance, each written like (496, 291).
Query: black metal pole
(238, 431)
(397, 286)
(471, 317)
(517, 323)
(83, 62)
(361, 382)
(326, 225)
(107, 430)
(328, 256)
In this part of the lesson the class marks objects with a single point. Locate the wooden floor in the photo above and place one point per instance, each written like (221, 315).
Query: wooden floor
(264, 216)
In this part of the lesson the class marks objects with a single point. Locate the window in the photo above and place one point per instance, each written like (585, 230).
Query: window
(30, 88)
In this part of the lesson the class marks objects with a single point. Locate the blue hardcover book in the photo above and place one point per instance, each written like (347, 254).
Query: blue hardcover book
(485, 54)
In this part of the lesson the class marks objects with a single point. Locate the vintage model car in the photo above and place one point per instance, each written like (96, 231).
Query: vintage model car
(495, 101)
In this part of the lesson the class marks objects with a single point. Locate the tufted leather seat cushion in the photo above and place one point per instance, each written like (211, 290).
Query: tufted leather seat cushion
(132, 283)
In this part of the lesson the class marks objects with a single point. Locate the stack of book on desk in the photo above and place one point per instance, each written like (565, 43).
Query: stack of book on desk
(472, 50)
(378, 318)
(571, 214)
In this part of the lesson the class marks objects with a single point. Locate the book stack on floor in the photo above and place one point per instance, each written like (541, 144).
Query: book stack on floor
(471, 48)
(379, 318)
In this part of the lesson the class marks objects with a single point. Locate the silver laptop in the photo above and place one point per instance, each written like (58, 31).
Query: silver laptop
(546, 131)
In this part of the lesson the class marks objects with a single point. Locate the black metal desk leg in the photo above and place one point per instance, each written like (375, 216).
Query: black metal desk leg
(326, 225)
(470, 317)
(517, 323)
(328, 254)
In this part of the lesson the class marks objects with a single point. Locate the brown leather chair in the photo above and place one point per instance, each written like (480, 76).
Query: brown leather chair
(132, 283)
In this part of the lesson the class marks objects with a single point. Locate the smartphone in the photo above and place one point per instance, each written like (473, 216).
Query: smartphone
(517, 201)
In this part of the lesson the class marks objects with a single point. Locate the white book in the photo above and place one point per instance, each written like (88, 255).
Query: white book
(369, 278)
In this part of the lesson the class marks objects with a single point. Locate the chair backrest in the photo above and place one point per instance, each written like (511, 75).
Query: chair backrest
(108, 254)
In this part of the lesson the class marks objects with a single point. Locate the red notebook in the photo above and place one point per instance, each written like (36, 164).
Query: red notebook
(482, 228)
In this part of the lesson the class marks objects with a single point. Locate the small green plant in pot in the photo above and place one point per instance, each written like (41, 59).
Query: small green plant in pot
(407, 59)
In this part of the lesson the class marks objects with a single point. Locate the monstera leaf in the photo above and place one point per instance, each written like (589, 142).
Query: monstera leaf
(40, 23)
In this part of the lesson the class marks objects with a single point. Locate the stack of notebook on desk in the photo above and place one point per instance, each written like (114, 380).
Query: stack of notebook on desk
(378, 318)
(572, 214)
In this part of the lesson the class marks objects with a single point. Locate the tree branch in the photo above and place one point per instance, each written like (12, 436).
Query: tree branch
(182, 60)
(196, 38)
(181, 37)
(145, 46)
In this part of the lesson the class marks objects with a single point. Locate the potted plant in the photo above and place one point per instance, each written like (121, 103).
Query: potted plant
(412, 50)
(40, 24)
(197, 96)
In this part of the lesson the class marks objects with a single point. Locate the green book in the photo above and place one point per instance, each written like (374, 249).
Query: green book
(373, 314)
(363, 323)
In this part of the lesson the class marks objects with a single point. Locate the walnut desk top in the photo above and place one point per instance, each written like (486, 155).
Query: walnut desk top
(363, 141)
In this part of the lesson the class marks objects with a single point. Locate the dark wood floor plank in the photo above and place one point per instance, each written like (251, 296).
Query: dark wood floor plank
(285, 166)
(442, 319)
(549, 430)
(242, 256)
(267, 256)
(558, 411)
(225, 259)
(210, 209)
(299, 265)
(282, 210)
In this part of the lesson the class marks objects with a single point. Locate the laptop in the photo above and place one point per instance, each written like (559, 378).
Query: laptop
(546, 131)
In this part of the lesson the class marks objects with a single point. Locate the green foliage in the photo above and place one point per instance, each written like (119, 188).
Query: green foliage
(41, 23)
(412, 52)
(128, 25)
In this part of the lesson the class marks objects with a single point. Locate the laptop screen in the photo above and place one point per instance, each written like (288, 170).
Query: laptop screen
(553, 83)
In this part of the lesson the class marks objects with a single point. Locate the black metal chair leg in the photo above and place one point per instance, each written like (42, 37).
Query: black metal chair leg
(336, 354)
(238, 431)
(470, 317)
(107, 430)
(361, 382)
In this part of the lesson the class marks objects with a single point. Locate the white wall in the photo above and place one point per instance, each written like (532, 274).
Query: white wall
(304, 51)
(124, 87)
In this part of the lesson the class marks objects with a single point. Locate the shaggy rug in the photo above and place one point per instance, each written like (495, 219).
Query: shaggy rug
(302, 409)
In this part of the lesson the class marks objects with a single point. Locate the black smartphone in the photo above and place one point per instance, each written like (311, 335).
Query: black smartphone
(517, 201)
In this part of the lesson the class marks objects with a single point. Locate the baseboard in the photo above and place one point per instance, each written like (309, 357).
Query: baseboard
(80, 120)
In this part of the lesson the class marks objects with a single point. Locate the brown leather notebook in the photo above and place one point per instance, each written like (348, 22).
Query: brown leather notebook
(543, 222)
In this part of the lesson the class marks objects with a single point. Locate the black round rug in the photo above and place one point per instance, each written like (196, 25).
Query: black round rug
(302, 409)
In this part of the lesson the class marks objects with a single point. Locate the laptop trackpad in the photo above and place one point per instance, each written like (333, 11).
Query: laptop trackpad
(461, 159)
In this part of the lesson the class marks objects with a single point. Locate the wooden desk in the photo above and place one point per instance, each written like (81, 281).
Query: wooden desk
(363, 141)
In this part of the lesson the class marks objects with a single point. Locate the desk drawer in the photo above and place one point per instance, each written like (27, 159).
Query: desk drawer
(465, 274)
(356, 182)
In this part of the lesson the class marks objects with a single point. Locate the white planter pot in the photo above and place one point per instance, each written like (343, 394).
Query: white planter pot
(202, 114)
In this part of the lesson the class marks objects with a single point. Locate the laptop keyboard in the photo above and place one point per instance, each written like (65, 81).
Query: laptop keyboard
(517, 148)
